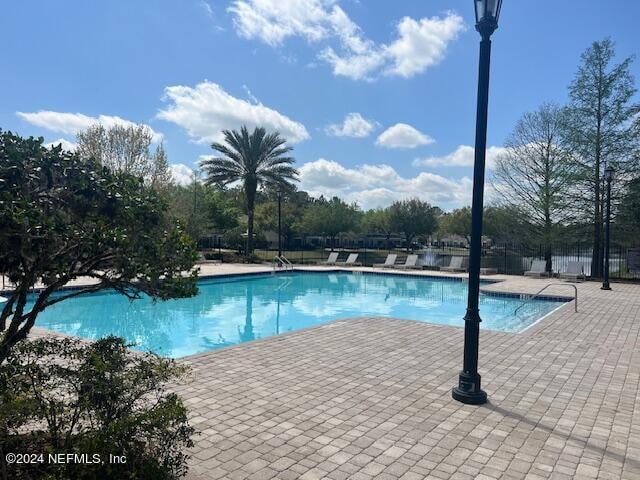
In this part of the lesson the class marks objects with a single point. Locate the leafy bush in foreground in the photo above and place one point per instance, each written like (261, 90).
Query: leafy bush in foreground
(63, 217)
(64, 396)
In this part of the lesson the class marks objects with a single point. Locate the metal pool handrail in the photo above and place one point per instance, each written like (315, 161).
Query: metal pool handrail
(284, 262)
(533, 297)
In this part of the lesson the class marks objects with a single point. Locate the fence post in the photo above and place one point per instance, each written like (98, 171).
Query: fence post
(505, 259)
(365, 252)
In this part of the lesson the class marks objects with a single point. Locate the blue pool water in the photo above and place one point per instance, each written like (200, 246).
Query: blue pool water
(238, 309)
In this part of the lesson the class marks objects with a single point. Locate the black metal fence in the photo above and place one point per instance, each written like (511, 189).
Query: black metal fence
(505, 259)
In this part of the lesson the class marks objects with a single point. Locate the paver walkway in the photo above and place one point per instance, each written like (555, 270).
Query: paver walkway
(370, 398)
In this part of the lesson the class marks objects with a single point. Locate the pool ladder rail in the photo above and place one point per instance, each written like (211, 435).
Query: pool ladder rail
(530, 298)
(282, 262)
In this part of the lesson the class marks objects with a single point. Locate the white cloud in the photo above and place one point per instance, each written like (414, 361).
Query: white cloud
(354, 125)
(462, 156)
(207, 109)
(209, 12)
(272, 21)
(66, 144)
(181, 173)
(251, 96)
(422, 43)
(402, 135)
(356, 67)
(419, 43)
(72, 123)
(375, 186)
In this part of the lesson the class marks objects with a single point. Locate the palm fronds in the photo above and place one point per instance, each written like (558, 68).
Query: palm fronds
(257, 159)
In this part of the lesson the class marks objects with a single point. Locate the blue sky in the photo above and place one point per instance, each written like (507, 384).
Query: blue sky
(377, 97)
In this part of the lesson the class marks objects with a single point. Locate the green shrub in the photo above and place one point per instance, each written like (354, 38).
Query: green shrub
(65, 396)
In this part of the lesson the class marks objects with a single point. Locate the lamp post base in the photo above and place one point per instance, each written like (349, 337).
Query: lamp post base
(605, 287)
(468, 391)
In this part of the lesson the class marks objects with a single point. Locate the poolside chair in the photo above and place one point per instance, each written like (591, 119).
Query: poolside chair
(332, 260)
(210, 261)
(455, 265)
(350, 261)
(538, 269)
(389, 262)
(410, 262)
(575, 271)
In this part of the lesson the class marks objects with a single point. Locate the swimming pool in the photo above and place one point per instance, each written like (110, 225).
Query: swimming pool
(237, 309)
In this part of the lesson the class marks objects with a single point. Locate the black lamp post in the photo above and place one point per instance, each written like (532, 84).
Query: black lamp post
(608, 176)
(469, 389)
(279, 223)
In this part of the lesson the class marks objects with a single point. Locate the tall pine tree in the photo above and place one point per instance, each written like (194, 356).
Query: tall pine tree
(601, 132)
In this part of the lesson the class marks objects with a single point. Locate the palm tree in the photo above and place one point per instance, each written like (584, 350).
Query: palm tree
(256, 160)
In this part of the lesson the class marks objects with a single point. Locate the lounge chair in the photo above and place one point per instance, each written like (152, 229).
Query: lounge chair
(455, 265)
(203, 259)
(410, 262)
(389, 262)
(350, 261)
(538, 269)
(332, 260)
(575, 271)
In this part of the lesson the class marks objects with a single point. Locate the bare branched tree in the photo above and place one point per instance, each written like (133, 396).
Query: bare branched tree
(126, 149)
(536, 173)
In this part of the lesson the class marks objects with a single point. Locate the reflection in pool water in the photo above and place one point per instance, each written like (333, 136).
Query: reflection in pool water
(243, 308)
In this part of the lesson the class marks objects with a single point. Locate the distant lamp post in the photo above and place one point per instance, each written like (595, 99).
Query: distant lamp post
(608, 176)
(279, 223)
(469, 389)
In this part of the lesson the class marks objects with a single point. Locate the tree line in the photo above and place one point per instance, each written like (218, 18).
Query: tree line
(206, 209)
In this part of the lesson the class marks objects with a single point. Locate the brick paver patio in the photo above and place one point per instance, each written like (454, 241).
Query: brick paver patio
(370, 398)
